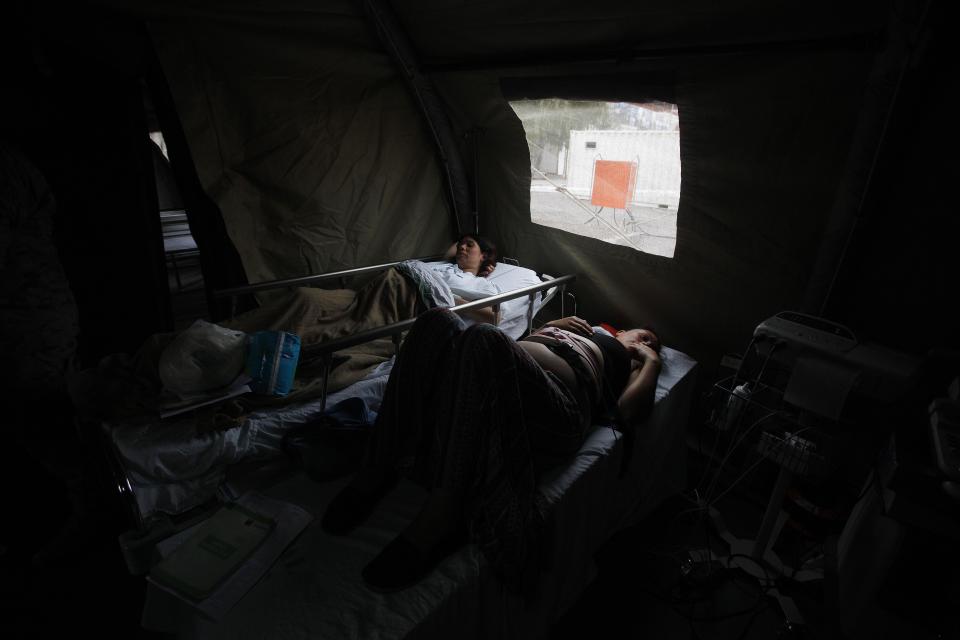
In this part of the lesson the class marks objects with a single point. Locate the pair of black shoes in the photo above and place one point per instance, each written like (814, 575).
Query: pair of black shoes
(400, 564)
(351, 506)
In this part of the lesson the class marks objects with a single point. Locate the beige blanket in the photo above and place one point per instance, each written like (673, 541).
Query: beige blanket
(319, 315)
(124, 387)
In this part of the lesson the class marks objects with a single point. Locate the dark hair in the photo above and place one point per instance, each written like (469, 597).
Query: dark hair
(645, 327)
(487, 248)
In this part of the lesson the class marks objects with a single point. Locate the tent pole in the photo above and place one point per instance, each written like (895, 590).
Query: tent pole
(475, 135)
(401, 50)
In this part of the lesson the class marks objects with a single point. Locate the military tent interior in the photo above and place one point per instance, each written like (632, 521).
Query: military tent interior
(309, 137)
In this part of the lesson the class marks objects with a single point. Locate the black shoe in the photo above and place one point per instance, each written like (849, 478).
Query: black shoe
(351, 507)
(401, 564)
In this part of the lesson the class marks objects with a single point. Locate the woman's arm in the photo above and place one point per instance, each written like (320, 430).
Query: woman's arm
(452, 251)
(637, 398)
(572, 324)
(487, 314)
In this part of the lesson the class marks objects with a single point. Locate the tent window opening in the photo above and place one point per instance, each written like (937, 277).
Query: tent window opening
(605, 170)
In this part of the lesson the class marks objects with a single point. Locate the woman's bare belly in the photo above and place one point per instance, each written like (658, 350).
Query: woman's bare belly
(550, 361)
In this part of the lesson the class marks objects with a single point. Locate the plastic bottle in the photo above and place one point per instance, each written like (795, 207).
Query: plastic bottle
(735, 404)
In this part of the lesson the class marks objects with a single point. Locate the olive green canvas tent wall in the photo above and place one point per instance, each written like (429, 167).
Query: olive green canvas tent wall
(794, 117)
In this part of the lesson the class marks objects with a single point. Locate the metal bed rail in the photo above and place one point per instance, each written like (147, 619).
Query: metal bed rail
(133, 540)
(547, 297)
(326, 349)
(301, 281)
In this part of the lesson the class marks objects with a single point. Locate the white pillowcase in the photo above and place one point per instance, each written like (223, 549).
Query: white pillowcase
(513, 313)
(509, 277)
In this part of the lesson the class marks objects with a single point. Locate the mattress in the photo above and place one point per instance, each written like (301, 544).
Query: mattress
(315, 591)
(172, 469)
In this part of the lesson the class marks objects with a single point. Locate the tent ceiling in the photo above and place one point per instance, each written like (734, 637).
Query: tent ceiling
(507, 32)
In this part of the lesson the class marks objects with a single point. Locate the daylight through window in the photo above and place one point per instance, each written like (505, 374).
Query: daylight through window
(606, 170)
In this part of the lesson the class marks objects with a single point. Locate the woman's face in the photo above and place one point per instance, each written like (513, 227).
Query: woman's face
(469, 255)
(639, 336)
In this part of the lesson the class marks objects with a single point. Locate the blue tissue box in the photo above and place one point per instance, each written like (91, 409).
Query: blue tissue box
(272, 361)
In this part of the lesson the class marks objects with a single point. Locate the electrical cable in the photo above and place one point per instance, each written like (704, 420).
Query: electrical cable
(756, 382)
(753, 618)
(766, 573)
(727, 490)
(746, 354)
(678, 602)
(706, 470)
(804, 557)
(761, 604)
(717, 618)
(708, 496)
(755, 464)
(709, 492)
(766, 360)
(733, 385)
(733, 447)
(867, 487)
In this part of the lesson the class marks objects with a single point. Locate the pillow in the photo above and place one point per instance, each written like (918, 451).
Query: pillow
(509, 277)
(513, 313)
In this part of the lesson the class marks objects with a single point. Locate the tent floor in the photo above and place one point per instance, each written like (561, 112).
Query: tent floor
(638, 592)
(641, 591)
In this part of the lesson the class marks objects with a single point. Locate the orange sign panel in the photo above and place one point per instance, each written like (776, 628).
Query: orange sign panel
(613, 183)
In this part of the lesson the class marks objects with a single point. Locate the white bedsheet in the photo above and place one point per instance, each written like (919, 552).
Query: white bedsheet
(462, 283)
(513, 313)
(315, 589)
(172, 469)
(505, 278)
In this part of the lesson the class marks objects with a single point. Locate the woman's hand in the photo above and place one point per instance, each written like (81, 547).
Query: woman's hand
(637, 399)
(486, 314)
(572, 324)
(643, 353)
(486, 271)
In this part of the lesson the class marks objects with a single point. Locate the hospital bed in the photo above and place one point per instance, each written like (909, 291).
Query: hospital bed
(166, 474)
(315, 589)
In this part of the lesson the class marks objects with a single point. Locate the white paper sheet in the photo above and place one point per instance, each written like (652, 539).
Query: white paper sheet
(291, 520)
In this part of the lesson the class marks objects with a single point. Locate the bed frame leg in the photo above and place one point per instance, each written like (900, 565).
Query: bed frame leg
(573, 301)
(530, 312)
(327, 361)
(396, 343)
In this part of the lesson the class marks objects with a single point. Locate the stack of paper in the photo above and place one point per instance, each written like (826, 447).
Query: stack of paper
(214, 564)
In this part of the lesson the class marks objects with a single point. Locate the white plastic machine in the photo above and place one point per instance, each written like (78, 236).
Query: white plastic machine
(828, 370)
(823, 368)
(809, 331)
(829, 365)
